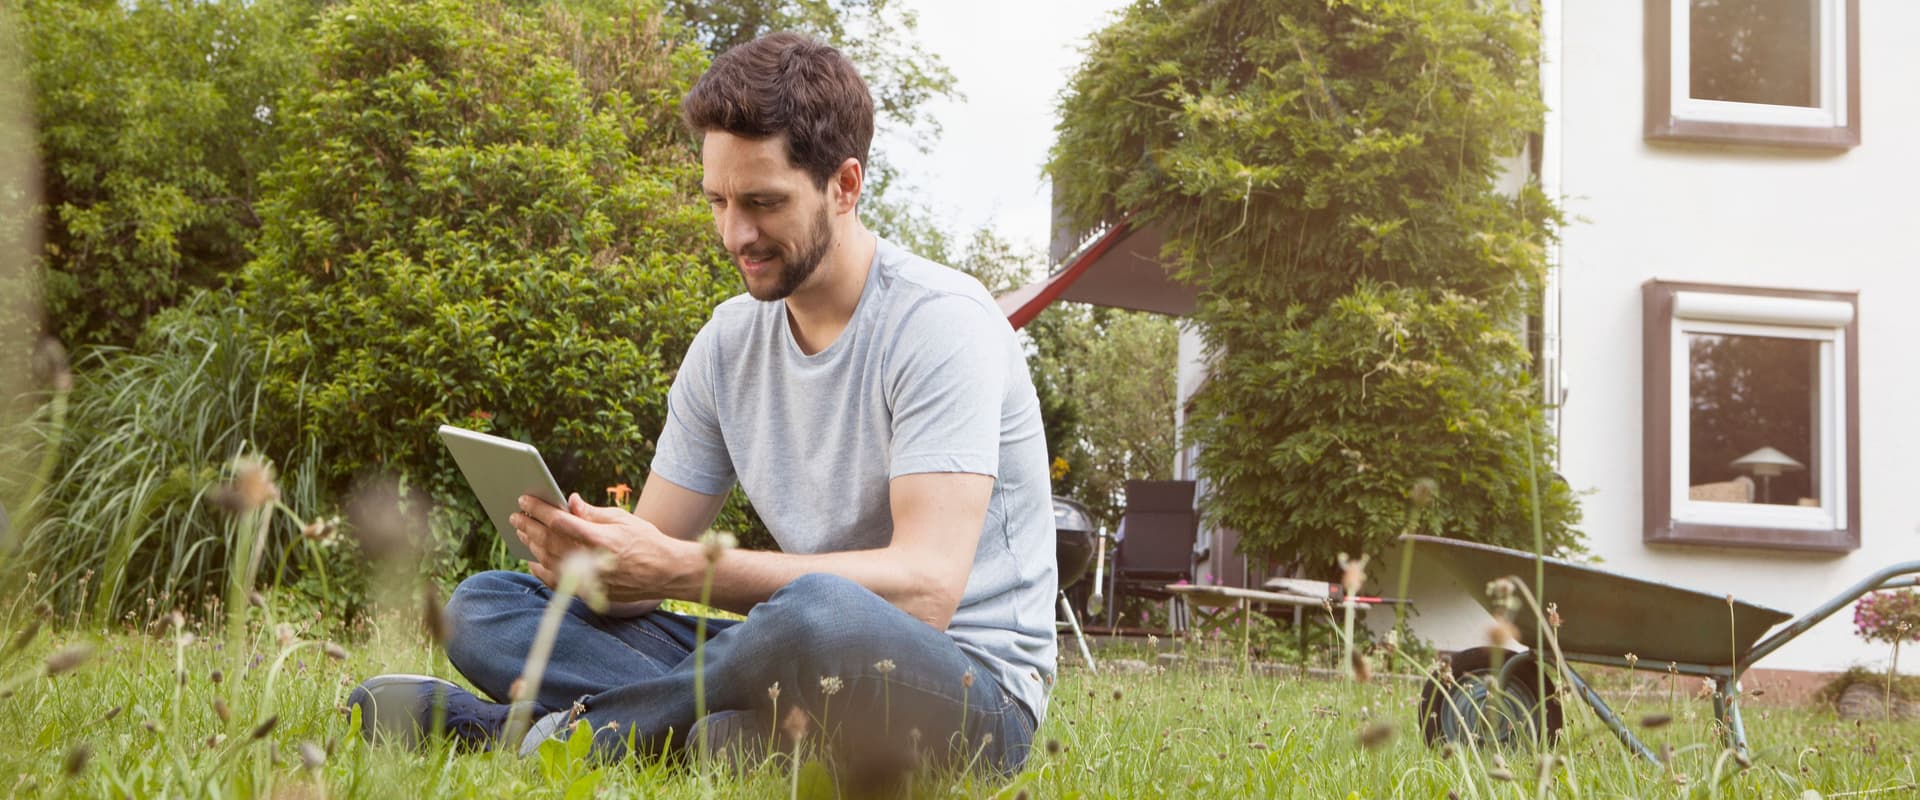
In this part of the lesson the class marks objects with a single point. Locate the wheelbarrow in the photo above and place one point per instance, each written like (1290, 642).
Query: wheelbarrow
(1611, 619)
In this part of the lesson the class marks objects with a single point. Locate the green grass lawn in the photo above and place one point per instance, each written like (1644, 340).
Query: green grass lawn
(154, 714)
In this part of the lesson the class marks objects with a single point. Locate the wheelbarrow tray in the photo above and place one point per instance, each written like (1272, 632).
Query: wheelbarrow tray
(1607, 614)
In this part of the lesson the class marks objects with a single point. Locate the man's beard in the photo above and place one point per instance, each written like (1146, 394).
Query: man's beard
(795, 270)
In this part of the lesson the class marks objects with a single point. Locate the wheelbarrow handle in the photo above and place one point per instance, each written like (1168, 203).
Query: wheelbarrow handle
(1905, 573)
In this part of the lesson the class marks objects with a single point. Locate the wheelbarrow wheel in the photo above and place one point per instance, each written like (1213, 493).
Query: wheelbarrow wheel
(1474, 708)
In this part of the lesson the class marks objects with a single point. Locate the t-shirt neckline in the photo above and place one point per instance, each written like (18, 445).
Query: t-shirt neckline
(853, 323)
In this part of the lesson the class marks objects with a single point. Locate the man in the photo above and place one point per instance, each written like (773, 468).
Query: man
(877, 411)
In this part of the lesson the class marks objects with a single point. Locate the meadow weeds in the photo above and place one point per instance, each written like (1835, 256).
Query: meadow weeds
(176, 711)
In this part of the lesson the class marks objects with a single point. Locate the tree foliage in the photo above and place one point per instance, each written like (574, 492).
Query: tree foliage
(490, 222)
(155, 120)
(879, 37)
(1105, 380)
(1324, 171)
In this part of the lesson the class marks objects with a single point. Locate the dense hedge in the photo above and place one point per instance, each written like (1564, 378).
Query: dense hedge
(490, 222)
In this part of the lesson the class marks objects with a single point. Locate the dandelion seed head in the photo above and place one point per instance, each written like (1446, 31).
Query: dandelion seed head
(251, 487)
(1353, 573)
(1502, 633)
(714, 544)
(311, 756)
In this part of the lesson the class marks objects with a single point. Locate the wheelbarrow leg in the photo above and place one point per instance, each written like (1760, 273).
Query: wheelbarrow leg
(1726, 708)
(1612, 720)
(1078, 636)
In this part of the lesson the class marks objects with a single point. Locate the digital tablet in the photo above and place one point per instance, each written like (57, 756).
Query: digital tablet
(500, 470)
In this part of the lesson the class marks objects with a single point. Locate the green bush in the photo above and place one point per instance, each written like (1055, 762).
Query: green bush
(1324, 173)
(151, 432)
(485, 219)
(154, 120)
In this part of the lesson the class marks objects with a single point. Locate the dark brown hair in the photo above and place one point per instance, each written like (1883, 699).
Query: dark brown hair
(786, 83)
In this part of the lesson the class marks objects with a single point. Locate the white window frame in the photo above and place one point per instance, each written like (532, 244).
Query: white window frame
(1830, 58)
(1673, 113)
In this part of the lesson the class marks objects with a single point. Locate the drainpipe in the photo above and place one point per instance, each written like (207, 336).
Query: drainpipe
(1553, 378)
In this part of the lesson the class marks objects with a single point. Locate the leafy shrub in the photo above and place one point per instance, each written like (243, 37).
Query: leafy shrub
(151, 431)
(1892, 616)
(487, 219)
(154, 120)
(1324, 173)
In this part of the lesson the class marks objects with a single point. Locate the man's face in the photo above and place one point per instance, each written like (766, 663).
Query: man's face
(773, 220)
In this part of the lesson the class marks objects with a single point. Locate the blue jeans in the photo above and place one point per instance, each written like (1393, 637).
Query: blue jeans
(637, 674)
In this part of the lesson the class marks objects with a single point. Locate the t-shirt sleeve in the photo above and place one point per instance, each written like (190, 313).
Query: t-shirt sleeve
(691, 451)
(946, 376)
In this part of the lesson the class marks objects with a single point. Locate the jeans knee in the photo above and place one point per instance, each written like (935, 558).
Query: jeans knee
(821, 610)
(477, 602)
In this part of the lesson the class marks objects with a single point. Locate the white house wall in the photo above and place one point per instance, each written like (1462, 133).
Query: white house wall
(1738, 215)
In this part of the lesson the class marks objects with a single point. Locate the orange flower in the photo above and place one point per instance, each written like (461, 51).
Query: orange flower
(618, 493)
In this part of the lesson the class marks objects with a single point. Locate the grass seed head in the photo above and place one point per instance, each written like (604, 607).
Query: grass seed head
(883, 666)
(265, 727)
(24, 637)
(1362, 669)
(76, 761)
(334, 651)
(831, 684)
(1653, 721)
(68, 658)
(773, 693)
(433, 615)
(220, 710)
(1375, 734)
(795, 725)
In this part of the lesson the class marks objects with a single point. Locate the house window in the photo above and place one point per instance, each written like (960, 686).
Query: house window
(1781, 72)
(1751, 417)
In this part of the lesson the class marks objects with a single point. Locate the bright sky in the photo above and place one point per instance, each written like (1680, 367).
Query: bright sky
(1010, 59)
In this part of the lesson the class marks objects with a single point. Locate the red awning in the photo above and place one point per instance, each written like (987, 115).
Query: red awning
(1120, 269)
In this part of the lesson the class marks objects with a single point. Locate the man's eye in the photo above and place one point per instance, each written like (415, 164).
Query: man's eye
(716, 202)
(766, 204)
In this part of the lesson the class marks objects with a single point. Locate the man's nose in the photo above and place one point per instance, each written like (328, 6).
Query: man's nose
(737, 230)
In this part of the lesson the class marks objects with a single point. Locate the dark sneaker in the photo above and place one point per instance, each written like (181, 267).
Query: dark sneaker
(401, 709)
(737, 739)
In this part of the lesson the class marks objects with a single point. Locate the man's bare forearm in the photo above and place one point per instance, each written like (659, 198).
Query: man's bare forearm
(744, 578)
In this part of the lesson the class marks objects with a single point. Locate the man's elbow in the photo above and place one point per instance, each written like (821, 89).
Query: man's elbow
(935, 599)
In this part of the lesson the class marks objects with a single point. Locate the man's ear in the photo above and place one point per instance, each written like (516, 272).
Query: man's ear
(846, 184)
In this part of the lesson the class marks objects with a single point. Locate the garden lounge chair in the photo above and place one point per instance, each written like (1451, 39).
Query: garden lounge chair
(1156, 546)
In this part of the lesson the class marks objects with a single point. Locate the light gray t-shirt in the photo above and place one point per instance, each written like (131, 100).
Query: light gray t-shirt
(927, 377)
